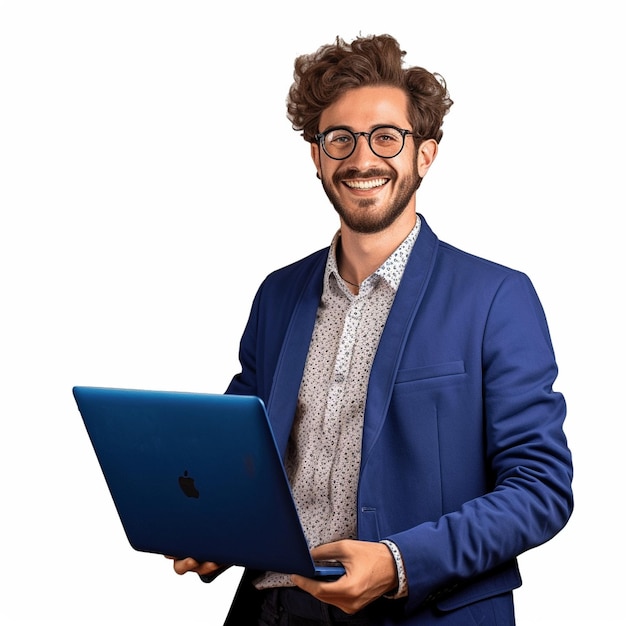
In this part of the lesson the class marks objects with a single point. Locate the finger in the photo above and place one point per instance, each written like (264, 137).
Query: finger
(334, 592)
(306, 584)
(182, 566)
(210, 571)
(209, 568)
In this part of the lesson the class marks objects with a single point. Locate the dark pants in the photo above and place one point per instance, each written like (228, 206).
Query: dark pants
(294, 607)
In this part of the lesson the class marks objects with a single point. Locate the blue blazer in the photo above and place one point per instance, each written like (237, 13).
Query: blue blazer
(464, 461)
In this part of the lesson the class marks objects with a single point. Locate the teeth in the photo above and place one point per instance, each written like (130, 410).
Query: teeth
(366, 184)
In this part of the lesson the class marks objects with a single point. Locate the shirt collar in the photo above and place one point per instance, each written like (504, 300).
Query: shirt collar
(390, 271)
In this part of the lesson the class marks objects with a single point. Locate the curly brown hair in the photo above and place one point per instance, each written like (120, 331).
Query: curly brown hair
(322, 77)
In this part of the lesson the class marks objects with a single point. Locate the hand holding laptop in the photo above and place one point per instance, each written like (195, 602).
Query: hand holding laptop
(369, 566)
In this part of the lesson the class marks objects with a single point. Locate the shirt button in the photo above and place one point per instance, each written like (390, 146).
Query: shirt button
(339, 378)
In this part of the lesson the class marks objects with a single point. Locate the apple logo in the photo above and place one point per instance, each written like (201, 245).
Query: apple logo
(186, 483)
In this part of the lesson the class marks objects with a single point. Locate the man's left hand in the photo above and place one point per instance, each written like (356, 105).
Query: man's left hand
(370, 573)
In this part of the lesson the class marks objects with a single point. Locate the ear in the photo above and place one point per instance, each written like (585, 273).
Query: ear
(315, 155)
(426, 154)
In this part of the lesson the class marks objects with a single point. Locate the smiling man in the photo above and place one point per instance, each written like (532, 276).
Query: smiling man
(409, 384)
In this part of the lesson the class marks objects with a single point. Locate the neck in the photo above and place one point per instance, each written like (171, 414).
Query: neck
(360, 254)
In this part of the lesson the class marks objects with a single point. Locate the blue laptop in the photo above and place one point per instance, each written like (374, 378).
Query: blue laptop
(198, 475)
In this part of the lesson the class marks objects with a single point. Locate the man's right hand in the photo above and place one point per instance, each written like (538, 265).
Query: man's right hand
(207, 570)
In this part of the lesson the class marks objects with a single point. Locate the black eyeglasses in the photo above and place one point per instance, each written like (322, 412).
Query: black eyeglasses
(384, 141)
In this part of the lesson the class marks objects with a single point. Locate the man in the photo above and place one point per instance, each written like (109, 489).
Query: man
(408, 383)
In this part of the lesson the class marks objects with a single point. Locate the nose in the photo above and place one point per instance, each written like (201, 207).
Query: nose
(362, 151)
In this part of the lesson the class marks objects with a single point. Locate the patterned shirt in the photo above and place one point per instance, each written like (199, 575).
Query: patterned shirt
(324, 452)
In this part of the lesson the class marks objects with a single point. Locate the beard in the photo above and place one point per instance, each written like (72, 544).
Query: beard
(372, 221)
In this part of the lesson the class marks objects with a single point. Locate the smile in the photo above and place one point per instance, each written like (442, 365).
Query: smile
(366, 184)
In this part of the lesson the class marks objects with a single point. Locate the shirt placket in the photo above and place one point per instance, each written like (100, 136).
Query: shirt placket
(340, 377)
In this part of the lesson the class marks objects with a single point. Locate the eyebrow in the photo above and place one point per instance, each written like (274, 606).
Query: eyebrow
(351, 128)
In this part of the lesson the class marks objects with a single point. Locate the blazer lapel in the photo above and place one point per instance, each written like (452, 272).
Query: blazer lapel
(281, 406)
(407, 301)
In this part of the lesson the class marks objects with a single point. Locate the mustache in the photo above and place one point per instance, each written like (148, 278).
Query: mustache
(353, 173)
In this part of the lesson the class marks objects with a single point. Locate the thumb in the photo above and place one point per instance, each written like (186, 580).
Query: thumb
(329, 551)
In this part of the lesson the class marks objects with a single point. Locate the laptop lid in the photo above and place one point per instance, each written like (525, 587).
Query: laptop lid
(198, 475)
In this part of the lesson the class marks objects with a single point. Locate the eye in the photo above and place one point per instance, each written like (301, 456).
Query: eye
(386, 136)
(339, 138)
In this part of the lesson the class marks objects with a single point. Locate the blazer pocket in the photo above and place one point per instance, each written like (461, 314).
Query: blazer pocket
(429, 372)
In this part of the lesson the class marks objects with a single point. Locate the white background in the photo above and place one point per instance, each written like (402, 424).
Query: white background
(146, 163)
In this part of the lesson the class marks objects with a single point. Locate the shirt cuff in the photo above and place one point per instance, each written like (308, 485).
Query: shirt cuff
(403, 588)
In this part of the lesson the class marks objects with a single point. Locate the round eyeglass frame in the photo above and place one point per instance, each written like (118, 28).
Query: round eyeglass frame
(320, 139)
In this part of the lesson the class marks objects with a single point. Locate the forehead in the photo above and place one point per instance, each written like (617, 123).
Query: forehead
(362, 108)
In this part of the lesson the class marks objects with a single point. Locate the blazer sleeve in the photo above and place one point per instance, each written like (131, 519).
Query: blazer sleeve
(246, 382)
(527, 456)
